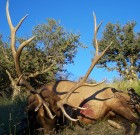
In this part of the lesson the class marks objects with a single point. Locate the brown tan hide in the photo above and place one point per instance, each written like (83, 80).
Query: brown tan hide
(40, 119)
(98, 101)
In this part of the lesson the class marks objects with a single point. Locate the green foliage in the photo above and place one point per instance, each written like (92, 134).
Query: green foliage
(123, 55)
(56, 42)
(123, 85)
(58, 47)
(43, 58)
(4, 79)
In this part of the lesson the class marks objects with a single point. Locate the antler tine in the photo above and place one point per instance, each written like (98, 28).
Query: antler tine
(21, 21)
(19, 79)
(96, 28)
(9, 19)
(64, 112)
(92, 85)
(42, 102)
(83, 80)
(8, 15)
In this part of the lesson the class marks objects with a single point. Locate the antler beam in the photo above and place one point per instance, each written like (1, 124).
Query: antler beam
(82, 82)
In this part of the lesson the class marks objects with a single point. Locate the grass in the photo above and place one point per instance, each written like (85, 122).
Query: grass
(12, 113)
(123, 85)
(100, 128)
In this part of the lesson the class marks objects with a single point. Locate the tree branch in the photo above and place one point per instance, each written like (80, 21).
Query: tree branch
(32, 75)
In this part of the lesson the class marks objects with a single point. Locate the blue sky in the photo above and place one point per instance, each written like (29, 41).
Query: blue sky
(76, 16)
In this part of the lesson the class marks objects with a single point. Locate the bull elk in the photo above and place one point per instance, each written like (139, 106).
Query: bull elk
(89, 102)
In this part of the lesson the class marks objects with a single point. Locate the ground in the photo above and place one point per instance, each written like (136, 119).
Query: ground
(100, 128)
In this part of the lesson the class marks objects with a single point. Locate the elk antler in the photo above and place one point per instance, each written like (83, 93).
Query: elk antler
(82, 82)
(16, 55)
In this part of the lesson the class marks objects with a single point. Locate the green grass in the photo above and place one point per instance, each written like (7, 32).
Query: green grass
(123, 85)
(11, 114)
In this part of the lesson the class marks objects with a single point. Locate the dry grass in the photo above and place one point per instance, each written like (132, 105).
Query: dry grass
(100, 128)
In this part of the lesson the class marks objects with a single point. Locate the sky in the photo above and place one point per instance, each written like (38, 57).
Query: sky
(75, 16)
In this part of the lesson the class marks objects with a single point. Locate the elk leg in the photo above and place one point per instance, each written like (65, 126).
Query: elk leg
(128, 114)
(110, 114)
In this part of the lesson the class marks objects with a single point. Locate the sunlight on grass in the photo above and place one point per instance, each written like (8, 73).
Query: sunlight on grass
(123, 85)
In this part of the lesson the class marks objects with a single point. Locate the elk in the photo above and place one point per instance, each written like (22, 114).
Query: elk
(89, 102)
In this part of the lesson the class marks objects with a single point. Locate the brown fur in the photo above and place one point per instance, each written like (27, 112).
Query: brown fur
(40, 119)
(99, 102)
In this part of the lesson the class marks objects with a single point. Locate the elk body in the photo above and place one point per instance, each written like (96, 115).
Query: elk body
(98, 102)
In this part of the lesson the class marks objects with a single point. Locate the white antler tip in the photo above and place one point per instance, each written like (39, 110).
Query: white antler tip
(7, 5)
(7, 2)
